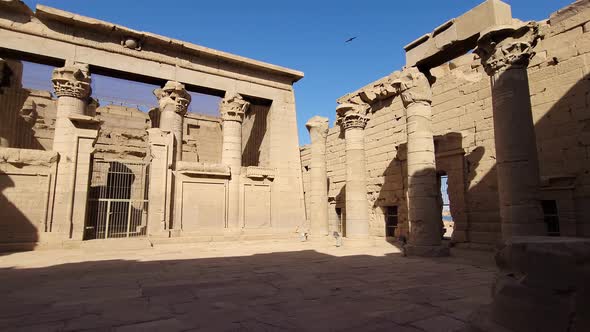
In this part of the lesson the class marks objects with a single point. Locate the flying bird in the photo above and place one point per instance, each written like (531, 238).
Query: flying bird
(350, 39)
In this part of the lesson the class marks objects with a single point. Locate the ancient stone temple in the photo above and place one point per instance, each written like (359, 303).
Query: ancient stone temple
(485, 124)
(83, 158)
(480, 141)
(489, 114)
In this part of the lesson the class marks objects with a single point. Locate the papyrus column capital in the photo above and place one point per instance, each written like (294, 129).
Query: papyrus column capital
(173, 97)
(318, 128)
(507, 47)
(413, 87)
(72, 81)
(233, 108)
(352, 116)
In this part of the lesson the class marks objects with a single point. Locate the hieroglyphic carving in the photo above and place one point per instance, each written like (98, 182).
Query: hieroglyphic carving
(507, 47)
(233, 108)
(72, 81)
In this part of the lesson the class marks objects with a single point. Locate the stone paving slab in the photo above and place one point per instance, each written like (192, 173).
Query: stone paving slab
(255, 286)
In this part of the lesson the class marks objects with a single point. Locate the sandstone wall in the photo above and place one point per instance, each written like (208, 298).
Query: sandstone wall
(202, 138)
(27, 180)
(464, 137)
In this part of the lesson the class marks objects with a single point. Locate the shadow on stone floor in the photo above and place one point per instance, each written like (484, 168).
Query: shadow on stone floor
(299, 290)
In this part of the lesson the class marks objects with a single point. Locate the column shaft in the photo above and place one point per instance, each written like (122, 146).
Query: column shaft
(172, 122)
(232, 111)
(318, 130)
(173, 101)
(424, 213)
(231, 155)
(357, 213)
(72, 88)
(505, 53)
(516, 153)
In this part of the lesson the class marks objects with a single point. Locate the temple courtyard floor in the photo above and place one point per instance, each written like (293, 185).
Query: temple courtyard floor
(247, 286)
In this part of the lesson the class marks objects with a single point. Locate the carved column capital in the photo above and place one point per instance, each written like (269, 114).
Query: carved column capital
(173, 97)
(352, 116)
(317, 127)
(72, 81)
(233, 108)
(507, 47)
(413, 87)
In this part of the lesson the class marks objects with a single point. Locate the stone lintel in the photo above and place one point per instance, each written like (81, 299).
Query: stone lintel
(83, 119)
(457, 35)
(255, 172)
(87, 23)
(198, 168)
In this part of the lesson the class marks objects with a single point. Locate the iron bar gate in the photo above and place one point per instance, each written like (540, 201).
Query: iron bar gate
(117, 201)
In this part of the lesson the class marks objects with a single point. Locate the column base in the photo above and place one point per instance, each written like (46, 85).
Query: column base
(426, 251)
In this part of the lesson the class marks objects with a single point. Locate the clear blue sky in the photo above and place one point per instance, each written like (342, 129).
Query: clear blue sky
(307, 35)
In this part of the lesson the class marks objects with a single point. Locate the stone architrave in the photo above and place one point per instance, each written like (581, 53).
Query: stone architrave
(424, 215)
(173, 100)
(72, 88)
(318, 131)
(505, 53)
(353, 120)
(232, 109)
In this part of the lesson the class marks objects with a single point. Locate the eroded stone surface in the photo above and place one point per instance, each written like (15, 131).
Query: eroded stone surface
(267, 286)
(545, 280)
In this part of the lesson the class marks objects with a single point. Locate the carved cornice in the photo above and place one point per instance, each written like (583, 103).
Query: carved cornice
(72, 81)
(173, 97)
(413, 86)
(256, 172)
(198, 168)
(351, 116)
(318, 127)
(233, 108)
(507, 47)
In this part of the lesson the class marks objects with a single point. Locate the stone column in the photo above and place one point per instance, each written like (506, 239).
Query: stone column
(72, 88)
(424, 214)
(318, 131)
(232, 110)
(353, 121)
(173, 103)
(505, 54)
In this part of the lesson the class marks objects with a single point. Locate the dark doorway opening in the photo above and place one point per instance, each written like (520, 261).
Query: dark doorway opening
(551, 217)
(391, 220)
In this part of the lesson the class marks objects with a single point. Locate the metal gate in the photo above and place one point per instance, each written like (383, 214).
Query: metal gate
(117, 200)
